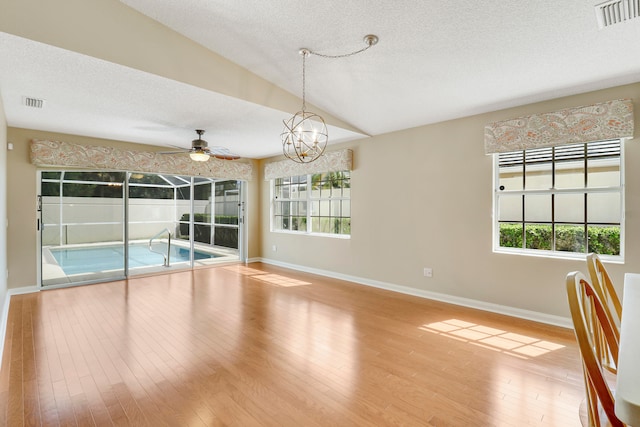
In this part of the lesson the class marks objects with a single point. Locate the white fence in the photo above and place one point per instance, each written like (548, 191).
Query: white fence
(74, 220)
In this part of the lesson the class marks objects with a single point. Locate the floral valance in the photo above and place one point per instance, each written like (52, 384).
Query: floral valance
(598, 122)
(66, 154)
(332, 161)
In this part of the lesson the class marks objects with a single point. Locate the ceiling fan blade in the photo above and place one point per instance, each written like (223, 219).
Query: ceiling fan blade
(224, 156)
(174, 152)
(222, 153)
(201, 146)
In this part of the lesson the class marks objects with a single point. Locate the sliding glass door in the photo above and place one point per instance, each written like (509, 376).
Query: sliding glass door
(98, 226)
(82, 226)
(153, 201)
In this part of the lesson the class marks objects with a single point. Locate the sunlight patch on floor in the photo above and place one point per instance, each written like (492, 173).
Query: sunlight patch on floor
(518, 345)
(276, 279)
(244, 270)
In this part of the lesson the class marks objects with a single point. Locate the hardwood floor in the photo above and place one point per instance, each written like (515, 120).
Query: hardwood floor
(259, 345)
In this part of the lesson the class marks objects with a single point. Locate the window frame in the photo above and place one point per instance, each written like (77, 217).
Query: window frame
(309, 200)
(585, 190)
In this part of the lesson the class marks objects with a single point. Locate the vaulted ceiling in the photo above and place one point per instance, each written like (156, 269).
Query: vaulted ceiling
(435, 61)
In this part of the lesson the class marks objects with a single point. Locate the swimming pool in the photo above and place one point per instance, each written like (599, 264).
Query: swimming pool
(91, 259)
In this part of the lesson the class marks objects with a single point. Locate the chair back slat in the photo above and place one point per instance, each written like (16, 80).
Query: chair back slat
(596, 335)
(603, 286)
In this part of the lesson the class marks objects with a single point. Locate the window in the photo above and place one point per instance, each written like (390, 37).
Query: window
(318, 203)
(565, 200)
(83, 184)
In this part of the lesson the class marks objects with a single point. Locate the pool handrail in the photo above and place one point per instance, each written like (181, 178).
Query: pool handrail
(167, 255)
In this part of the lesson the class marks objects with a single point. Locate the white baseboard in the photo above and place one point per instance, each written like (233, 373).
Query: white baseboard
(3, 324)
(549, 319)
(23, 290)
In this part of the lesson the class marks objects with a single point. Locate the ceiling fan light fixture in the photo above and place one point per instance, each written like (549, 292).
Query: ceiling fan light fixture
(200, 151)
(199, 156)
(199, 146)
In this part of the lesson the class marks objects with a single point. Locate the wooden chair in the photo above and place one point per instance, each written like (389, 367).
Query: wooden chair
(603, 286)
(591, 321)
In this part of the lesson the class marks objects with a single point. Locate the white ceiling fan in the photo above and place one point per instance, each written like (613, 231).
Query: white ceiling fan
(200, 150)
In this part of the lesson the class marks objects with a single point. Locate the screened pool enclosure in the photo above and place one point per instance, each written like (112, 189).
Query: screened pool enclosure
(101, 225)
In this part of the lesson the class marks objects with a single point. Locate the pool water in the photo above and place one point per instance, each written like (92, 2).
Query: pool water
(91, 259)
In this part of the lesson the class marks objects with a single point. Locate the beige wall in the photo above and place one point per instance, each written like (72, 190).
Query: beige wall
(446, 224)
(447, 220)
(21, 201)
(3, 211)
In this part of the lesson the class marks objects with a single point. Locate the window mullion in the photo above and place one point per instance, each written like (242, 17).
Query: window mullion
(327, 222)
(586, 198)
(308, 201)
(575, 184)
(524, 188)
(553, 199)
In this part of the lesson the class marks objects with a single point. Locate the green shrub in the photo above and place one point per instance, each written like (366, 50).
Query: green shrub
(223, 236)
(538, 237)
(570, 238)
(511, 235)
(206, 218)
(604, 240)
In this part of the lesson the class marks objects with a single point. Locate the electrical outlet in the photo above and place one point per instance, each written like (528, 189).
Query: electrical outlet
(274, 248)
(428, 272)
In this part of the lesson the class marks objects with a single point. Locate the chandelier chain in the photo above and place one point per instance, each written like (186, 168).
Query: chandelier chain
(304, 61)
(344, 55)
(305, 135)
(369, 40)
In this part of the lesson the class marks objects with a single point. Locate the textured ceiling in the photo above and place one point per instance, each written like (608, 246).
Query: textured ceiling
(91, 97)
(435, 61)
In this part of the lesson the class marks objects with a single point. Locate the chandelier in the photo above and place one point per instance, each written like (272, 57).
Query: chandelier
(304, 136)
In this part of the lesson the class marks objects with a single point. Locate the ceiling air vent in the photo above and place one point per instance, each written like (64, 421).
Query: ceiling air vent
(33, 102)
(617, 11)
